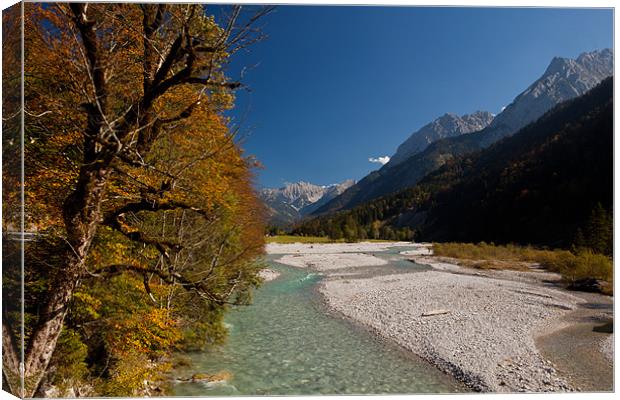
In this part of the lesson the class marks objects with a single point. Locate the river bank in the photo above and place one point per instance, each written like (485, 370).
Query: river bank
(484, 328)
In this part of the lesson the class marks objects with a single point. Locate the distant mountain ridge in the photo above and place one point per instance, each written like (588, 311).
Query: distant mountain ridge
(448, 125)
(539, 186)
(293, 201)
(564, 79)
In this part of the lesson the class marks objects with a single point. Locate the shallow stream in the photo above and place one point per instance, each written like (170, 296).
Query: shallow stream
(286, 343)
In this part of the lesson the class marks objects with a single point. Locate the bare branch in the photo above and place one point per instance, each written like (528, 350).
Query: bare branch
(171, 278)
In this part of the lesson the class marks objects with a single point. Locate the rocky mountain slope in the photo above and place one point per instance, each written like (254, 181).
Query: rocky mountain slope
(563, 79)
(545, 180)
(293, 201)
(448, 125)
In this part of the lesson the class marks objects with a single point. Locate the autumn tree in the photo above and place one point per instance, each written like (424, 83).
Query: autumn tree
(133, 168)
(11, 191)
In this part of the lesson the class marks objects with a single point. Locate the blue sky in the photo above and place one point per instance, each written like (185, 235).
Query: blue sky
(333, 86)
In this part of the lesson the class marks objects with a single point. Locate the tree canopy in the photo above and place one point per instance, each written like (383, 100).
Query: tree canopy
(145, 222)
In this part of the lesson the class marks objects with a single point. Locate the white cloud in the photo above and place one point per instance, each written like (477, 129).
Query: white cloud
(503, 108)
(379, 160)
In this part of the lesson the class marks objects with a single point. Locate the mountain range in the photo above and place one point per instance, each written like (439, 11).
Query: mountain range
(293, 201)
(544, 185)
(537, 186)
(450, 136)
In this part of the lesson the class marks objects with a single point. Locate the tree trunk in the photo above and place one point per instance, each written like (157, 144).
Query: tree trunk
(82, 215)
(10, 358)
(43, 340)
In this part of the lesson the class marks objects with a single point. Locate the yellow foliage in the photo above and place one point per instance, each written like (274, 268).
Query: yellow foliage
(131, 376)
(197, 215)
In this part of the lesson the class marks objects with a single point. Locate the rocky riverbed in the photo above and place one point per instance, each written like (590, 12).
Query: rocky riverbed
(479, 326)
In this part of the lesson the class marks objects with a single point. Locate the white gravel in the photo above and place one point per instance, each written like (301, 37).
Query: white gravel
(607, 348)
(486, 339)
(535, 275)
(331, 261)
(324, 248)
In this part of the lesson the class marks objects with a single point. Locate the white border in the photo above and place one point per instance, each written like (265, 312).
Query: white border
(470, 3)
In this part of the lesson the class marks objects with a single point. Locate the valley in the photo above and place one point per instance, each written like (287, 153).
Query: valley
(534, 181)
(539, 186)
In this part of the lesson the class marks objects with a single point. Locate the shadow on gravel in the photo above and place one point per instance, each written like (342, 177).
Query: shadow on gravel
(607, 327)
(593, 320)
(597, 306)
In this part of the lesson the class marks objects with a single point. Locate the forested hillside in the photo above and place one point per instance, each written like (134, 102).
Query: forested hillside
(549, 184)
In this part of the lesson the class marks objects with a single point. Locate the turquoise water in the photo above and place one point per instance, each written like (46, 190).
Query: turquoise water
(286, 343)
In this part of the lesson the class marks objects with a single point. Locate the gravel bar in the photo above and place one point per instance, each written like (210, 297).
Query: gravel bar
(478, 327)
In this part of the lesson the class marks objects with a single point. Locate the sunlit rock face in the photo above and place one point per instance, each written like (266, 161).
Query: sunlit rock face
(563, 80)
(448, 125)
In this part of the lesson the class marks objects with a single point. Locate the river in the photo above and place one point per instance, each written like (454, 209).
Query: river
(286, 343)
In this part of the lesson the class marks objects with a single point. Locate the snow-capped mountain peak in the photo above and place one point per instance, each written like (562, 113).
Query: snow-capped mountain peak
(295, 200)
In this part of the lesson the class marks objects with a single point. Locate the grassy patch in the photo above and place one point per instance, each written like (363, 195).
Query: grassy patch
(495, 264)
(573, 266)
(287, 239)
(484, 251)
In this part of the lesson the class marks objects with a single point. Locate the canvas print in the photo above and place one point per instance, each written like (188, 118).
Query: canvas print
(231, 200)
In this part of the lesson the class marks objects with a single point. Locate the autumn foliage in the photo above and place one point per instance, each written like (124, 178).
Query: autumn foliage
(145, 221)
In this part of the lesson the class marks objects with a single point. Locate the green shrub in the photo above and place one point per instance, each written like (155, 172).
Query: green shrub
(70, 369)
